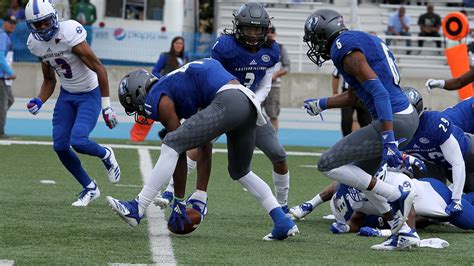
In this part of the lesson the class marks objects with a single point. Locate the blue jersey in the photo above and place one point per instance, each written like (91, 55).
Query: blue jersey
(380, 59)
(249, 68)
(191, 87)
(434, 129)
(462, 115)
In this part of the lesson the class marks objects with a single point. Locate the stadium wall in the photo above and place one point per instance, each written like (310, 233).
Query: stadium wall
(295, 87)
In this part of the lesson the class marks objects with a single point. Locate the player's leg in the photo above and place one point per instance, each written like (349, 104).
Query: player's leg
(63, 120)
(88, 108)
(346, 120)
(305, 208)
(240, 146)
(272, 106)
(267, 141)
(366, 144)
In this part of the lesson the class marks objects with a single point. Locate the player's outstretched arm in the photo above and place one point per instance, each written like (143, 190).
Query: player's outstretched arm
(451, 84)
(47, 89)
(315, 106)
(85, 53)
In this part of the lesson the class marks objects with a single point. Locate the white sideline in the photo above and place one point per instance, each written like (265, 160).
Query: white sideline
(148, 147)
(160, 241)
(7, 262)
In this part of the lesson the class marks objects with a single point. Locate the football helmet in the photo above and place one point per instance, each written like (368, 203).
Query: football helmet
(415, 98)
(251, 24)
(41, 19)
(320, 30)
(132, 92)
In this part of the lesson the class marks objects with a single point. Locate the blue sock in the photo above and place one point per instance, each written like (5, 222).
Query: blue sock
(277, 215)
(91, 148)
(72, 163)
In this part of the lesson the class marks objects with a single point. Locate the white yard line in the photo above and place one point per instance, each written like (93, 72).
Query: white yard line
(160, 241)
(148, 147)
(7, 262)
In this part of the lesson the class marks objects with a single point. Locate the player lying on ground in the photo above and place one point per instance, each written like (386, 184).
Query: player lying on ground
(63, 49)
(368, 66)
(226, 107)
(248, 54)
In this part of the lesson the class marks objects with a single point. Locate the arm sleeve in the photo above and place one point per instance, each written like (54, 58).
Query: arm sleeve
(160, 64)
(264, 85)
(285, 59)
(381, 98)
(4, 64)
(452, 154)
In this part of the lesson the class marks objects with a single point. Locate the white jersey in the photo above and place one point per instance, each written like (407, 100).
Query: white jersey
(74, 75)
(427, 202)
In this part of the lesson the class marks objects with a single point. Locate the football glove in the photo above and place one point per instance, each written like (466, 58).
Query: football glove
(315, 106)
(339, 228)
(454, 208)
(369, 231)
(110, 117)
(391, 155)
(34, 105)
(433, 83)
(178, 215)
(410, 161)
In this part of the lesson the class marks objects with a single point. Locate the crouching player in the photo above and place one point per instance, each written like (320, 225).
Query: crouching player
(225, 107)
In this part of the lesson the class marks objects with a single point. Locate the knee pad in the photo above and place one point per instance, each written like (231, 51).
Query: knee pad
(323, 163)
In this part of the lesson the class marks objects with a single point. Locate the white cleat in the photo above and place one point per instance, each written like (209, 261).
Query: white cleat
(127, 210)
(402, 241)
(292, 232)
(164, 200)
(299, 212)
(112, 167)
(86, 196)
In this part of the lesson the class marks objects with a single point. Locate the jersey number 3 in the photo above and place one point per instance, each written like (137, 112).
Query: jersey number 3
(64, 65)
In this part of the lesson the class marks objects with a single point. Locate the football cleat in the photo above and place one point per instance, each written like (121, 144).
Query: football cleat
(111, 166)
(282, 231)
(86, 196)
(286, 210)
(127, 210)
(401, 208)
(399, 242)
(164, 200)
(199, 206)
(299, 212)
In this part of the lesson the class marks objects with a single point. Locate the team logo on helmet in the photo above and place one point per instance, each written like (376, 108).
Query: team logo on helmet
(312, 23)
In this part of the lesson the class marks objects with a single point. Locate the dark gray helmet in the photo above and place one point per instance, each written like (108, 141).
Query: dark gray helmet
(133, 89)
(320, 30)
(251, 24)
(415, 98)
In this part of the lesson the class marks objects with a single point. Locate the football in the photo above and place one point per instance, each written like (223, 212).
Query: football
(194, 216)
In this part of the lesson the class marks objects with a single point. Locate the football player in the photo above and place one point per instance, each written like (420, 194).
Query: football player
(225, 107)
(439, 142)
(367, 65)
(63, 50)
(249, 55)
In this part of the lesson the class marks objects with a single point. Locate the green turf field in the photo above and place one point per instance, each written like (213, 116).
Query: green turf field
(38, 225)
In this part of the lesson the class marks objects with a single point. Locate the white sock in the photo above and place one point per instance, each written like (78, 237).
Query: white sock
(91, 185)
(160, 175)
(316, 201)
(350, 175)
(199, 195)
(260, 190)
(170, 186)
(390, 192)
(282, 185)
(380, 203)
(107, 153)
(191, 165)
